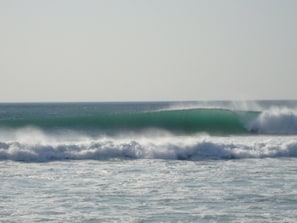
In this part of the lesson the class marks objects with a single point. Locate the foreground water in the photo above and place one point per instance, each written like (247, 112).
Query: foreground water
(249, 190)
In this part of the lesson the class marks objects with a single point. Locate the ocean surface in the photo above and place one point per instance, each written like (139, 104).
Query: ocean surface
(205, 161)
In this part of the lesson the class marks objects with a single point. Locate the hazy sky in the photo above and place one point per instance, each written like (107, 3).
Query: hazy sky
(108, 50)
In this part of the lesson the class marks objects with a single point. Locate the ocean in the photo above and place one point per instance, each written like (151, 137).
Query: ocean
(204, 161)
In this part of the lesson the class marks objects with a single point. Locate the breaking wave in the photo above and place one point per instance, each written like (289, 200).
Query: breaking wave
(41, 148)
(275, 121)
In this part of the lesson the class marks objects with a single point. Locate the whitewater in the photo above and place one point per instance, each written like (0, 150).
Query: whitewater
(206, 161)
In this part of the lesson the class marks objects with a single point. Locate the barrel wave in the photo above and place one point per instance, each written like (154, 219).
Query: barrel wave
(212, 121)
(114, 119)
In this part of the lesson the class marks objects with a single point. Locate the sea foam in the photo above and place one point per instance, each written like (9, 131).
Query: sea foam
(170, 147)
(275, 121)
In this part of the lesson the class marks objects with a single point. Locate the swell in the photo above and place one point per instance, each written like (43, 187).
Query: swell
(212, 121)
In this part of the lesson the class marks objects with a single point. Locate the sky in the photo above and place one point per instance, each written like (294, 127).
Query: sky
(147, 50)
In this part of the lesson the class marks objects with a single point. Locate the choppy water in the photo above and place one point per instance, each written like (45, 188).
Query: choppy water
(249, 190)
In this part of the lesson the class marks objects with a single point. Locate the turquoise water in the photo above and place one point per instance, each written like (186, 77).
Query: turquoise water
(94, 118)
(148, 162)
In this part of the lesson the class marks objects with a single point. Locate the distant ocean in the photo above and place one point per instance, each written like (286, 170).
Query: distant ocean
(205, 161)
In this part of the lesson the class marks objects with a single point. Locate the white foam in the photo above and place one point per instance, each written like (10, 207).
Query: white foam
(276, 121)
(152, 147)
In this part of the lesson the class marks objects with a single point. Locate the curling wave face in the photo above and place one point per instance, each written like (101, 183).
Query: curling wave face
(220, 121)
(181, 121)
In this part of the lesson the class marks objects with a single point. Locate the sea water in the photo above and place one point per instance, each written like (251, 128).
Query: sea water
(149, 162)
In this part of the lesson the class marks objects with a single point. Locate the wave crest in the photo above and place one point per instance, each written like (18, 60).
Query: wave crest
(169, 148)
